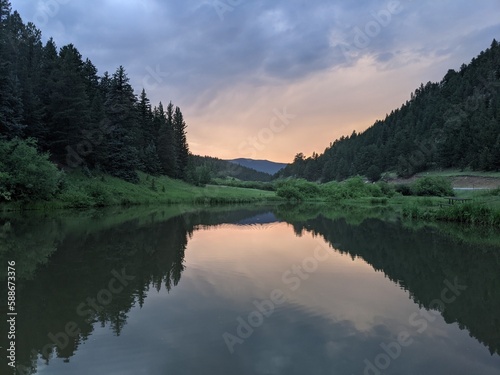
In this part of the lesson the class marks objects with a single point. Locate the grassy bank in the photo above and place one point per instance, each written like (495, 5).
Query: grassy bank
(425, 199)
(80, 191)
(422, 200)
(482, 208)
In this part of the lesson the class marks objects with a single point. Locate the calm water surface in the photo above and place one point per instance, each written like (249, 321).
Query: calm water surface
(246, 292)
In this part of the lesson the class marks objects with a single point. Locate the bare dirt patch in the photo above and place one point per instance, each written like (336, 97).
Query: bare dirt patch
(464, 182)
(475, 182)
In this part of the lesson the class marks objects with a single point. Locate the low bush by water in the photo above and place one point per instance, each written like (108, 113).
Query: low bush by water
(427, 186)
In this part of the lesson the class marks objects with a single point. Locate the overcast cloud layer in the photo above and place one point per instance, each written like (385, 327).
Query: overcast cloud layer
(234, 65)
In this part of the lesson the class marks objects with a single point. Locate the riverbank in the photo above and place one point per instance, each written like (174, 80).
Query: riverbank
(425, 200)
(100, 190)
(428, 199)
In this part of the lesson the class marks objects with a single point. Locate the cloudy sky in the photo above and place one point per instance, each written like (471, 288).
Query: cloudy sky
(270, 78)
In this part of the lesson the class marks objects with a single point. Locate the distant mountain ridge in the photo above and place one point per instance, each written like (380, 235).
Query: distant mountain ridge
(265, 166)
(219, 168)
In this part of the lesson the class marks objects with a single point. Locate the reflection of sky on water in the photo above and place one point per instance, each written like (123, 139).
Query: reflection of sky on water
(335, 320)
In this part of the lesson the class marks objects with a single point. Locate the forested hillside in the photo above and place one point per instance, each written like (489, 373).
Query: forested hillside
(265, 166)
(83, 119)
(210, 167)
(454, 123)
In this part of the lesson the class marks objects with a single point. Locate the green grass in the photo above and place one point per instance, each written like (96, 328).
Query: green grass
(355, 196)
(427, 200)
(234, 182)
(80, 191)
(482, 210)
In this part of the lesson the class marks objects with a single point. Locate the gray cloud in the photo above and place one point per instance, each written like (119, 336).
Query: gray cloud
(283, 40)
(183, 51)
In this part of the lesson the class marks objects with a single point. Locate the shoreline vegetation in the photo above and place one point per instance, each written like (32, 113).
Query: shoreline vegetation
(422, 200)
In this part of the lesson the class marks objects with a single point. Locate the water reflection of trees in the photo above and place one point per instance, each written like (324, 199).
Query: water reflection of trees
(63, 261)
(29, 243)
(420, 260)
(63, 264)
(81, 267)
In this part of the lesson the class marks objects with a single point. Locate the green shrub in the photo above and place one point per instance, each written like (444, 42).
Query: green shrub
(289, 192)
(432, 186)
(26, 174)
(403, 189)
(331, 191)
(387, 189)
(299, 188)
(355, 187)
(374, 190)
(352, 188)
(100, 196)
(307, 189)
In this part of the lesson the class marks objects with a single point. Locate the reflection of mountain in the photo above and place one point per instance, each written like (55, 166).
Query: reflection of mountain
(79, 261)
(420, 261)
(265, 218)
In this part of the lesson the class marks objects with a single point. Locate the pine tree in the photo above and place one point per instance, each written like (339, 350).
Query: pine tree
(11, 106)
(166, 149)
(118, 154)
(69, 105)
(5, 10)
(91, 79)
(181, 146)
(149, 159)
(145, 118)
(30, 54)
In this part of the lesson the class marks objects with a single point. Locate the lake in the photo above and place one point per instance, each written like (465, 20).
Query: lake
(247, 290)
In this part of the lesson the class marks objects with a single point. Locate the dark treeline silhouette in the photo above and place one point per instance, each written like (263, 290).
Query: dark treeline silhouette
(83, 119)
(454, 123)
(420, 261)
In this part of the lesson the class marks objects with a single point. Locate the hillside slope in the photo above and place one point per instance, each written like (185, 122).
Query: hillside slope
(454, 123)
(265, 166)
